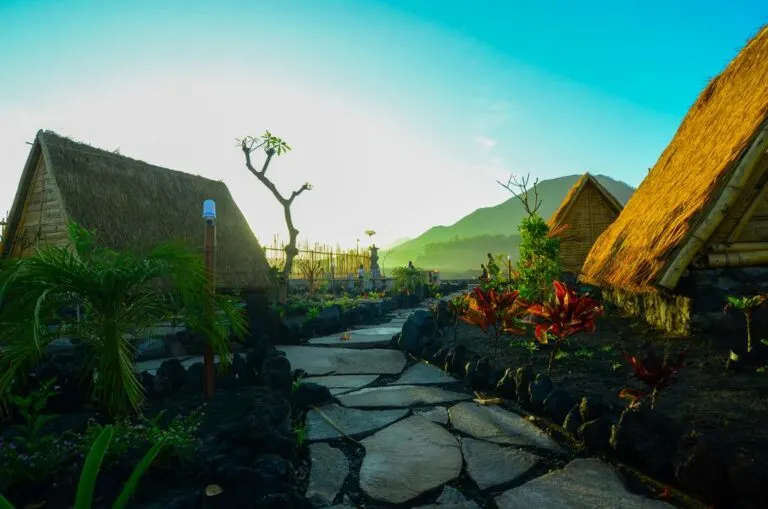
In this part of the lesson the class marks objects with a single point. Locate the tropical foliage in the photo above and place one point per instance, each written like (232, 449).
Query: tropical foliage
(654, 370)
(565, 314)
(120, 296)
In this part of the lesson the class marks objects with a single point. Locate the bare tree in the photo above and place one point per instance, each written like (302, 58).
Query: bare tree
(523, 193)
(272, 146)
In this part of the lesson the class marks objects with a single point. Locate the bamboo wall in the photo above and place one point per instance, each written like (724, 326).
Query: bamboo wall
(588, 217)
(42, 220)
(345, 261)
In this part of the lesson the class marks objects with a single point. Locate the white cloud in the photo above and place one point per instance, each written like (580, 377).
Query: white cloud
(485, 142)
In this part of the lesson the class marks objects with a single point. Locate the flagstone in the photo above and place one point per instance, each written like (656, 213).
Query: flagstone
(490, 464)
(584, 483)
(328, 470)
(318, 360)
(351, 421)
(407, 459)
(494, 424)
(400, 396)
(361, 338)
(424, 373)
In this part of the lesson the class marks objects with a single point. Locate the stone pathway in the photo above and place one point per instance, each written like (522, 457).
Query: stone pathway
(421, 431)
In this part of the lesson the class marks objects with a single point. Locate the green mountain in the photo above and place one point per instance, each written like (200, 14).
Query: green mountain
(462, 246)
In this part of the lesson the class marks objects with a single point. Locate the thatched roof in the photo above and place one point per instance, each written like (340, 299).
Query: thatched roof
(644, 242)
(559, 216)
(134, 205)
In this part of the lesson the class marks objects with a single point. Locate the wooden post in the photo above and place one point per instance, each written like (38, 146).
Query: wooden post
(209, 214)
(509, 268)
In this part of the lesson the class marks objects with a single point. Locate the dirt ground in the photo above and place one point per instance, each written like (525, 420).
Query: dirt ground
(731, 406)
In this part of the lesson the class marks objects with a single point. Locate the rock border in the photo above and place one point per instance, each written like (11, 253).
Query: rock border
(639, 438)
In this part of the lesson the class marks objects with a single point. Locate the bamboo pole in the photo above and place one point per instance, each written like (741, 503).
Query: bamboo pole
(209, 214)
(737, 247)
(722, 204)
(733, 259)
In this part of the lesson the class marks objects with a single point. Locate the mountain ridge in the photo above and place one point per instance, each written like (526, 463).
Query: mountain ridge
(499, 221)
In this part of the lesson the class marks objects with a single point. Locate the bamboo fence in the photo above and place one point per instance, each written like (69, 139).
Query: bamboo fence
(345, 261)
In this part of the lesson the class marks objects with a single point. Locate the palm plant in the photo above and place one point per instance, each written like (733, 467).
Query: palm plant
(121, 294)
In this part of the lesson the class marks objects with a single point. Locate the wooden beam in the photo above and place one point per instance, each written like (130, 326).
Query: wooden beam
(744, 220)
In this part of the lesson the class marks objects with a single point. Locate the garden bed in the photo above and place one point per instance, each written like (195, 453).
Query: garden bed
(722, 439)
(238, 449)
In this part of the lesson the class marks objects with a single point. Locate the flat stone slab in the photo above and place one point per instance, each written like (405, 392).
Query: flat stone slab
(328, 470)
(361, 338)
(451, 498)
(585, 483)
(408, 458)
(351, 421)
(345, 382)
(438, 414)
(490, 465)
(400, 396)
(494, 424)
(424, 373)
(319, 360)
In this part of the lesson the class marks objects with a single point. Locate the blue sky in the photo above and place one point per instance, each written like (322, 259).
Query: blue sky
(401, 113)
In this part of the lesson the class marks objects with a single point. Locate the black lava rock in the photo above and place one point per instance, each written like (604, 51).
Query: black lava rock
(596, 433)
(573, 420)
(309, 393)
(277, 375)
(647, 439)
(455, 360)
(506, 387)
(478, 374)
(539, 389)
(557, 404)
(700, 467)
(523, 378)
(415, 328)
(170, 376)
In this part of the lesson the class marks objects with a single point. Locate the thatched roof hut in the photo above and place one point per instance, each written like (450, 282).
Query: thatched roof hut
(703, 205)
(130, 205)
(587, 210)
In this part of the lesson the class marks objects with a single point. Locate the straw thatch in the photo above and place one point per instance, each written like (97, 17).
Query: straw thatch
(663, 218)
(130, 205)
(587, 210)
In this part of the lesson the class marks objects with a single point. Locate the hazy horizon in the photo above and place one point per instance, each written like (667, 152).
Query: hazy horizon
(402, 114)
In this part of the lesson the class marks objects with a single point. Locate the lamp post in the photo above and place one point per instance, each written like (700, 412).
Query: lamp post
(333, 279)
(209, 215)
(509, 267)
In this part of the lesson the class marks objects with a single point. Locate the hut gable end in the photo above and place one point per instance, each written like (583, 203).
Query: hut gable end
(131, 205)
(586, 211)
(696, 194)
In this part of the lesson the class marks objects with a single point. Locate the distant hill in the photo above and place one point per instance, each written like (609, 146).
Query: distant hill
(396, 242)
(488, 229)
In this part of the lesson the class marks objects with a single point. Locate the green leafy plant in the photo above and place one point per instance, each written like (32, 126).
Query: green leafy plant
(121, 295)
(179, 436)
(565, 314)
(539, 261)
(31, 409)
(584, 353)
(301, 433)
(407, 280)
(31, 456)
(313, 312)
(747, 305)
(87, 483)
